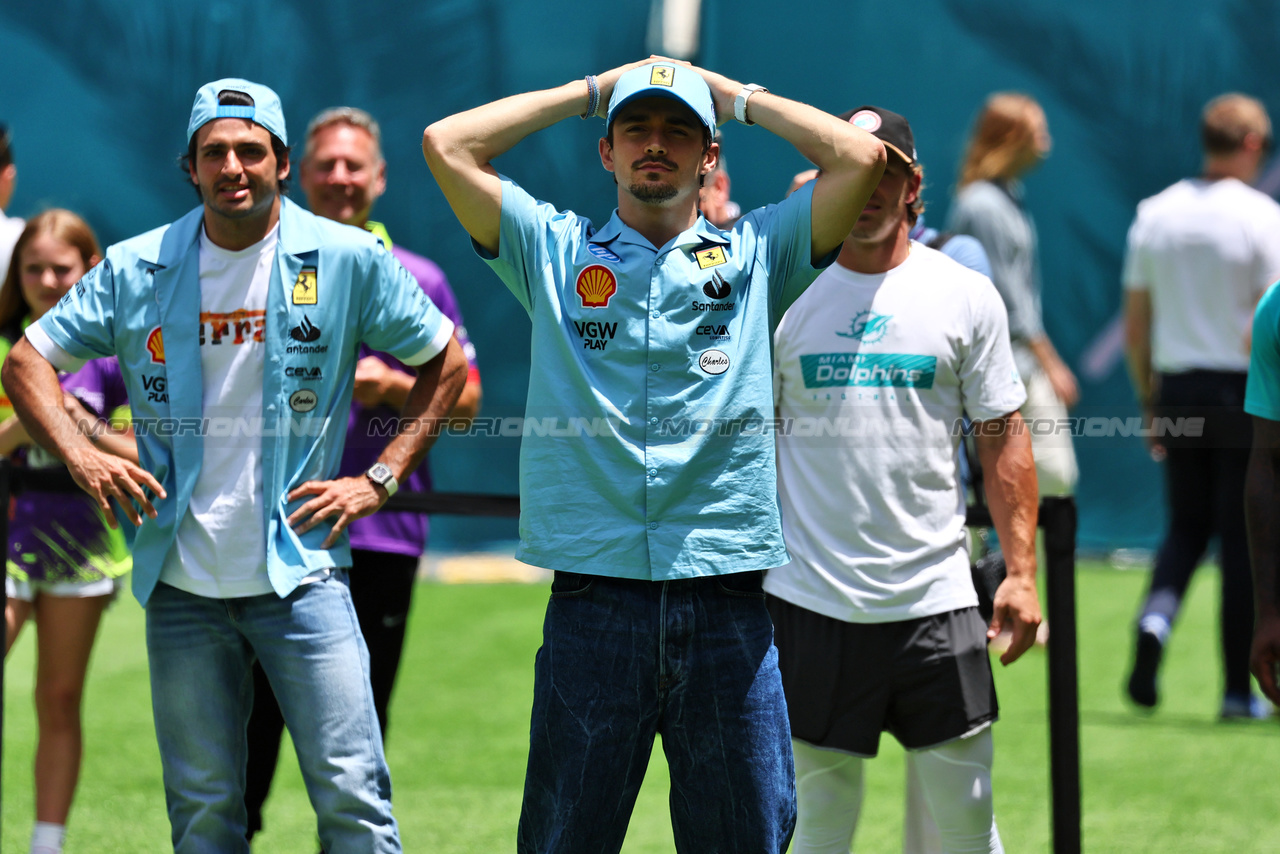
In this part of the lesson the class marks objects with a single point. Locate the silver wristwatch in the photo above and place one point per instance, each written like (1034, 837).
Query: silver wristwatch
(380, 473)
(740, 102)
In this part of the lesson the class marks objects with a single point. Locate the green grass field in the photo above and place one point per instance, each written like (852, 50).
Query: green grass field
(1175, 781)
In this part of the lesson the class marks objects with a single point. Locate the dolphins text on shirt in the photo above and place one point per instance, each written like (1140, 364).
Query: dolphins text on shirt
(899, 370)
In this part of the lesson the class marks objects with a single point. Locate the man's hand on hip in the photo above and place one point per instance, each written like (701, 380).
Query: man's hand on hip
(348, 498)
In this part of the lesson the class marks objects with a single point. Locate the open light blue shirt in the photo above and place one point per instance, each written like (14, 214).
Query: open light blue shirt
(332, 288)
(647, 451)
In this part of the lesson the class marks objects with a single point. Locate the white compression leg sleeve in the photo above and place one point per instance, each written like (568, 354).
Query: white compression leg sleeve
(955, 780)
(829, 797)
(919, 832)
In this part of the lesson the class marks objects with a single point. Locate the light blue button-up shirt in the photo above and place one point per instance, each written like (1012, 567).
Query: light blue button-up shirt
(332, 287)
(646, 452)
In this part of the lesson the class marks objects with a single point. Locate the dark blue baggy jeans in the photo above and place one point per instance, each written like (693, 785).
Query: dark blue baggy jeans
(693, 660)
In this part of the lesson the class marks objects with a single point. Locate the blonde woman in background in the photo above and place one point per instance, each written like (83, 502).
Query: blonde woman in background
(63, 559)
(1008, 140)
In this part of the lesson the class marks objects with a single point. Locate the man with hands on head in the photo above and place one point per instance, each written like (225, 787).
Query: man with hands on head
(657, 533)
(237, 329)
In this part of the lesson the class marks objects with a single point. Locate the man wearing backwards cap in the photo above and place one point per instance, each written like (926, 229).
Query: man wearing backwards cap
(658, 530)
(876, 615)
(237, 329)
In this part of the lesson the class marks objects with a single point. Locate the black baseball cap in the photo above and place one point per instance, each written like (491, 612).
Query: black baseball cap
(888, 127)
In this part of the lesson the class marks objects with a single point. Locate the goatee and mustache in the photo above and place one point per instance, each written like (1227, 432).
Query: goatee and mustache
(653, 192)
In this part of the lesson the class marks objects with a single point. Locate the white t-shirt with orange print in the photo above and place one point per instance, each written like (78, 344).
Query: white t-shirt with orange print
(221, 549)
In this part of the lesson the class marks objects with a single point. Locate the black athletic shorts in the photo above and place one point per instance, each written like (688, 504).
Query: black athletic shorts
(927, 681)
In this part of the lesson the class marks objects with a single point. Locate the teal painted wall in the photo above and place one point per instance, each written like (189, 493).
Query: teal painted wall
(97, 93)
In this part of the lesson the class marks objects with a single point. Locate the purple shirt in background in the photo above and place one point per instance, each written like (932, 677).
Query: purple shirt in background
(398, 533)
(56, 537)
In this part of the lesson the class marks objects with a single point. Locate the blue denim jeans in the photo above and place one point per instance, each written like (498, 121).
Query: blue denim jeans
(622, 661)
(309, 643)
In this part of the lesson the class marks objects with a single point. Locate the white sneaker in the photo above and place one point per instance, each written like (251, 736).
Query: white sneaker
(1236, 708)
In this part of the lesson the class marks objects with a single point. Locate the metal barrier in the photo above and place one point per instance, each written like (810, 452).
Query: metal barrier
(1057, 518)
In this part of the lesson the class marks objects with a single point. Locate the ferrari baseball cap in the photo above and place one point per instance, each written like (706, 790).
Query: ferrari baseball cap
(266, 109)
(886, 126)
(665, 80)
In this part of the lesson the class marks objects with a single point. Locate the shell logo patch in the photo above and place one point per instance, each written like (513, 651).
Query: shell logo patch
(305, 290)
(712, 257)
(595, 285)
(155, 346)
(662, 75)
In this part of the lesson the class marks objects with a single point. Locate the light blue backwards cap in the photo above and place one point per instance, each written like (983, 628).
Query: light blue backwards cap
(665, 80)
(266, 109)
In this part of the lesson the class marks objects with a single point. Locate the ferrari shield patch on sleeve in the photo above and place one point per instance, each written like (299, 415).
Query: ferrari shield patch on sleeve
(305, 291)
(712, 257)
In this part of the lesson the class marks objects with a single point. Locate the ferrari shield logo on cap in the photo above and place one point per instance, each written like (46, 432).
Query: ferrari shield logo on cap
(155, 346)
(595, 285)
(304, 289)
(662, 75)
(712, 257)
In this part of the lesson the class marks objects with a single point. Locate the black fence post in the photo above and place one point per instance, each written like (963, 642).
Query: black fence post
(1058, 518)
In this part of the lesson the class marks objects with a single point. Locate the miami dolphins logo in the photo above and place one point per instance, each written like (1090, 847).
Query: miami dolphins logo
(867, 327)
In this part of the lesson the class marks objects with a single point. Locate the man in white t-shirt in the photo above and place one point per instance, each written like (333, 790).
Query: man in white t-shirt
(237, 329)
(1200, 256)
(876, 616)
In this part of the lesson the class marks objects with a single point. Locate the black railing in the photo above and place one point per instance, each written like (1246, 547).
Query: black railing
(1058, 519)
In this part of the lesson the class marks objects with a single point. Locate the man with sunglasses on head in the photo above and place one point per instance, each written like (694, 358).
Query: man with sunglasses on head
(876, 616)
(237, 329)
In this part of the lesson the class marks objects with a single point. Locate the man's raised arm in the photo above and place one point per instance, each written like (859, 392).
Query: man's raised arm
(850, 161)
(461, 148)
